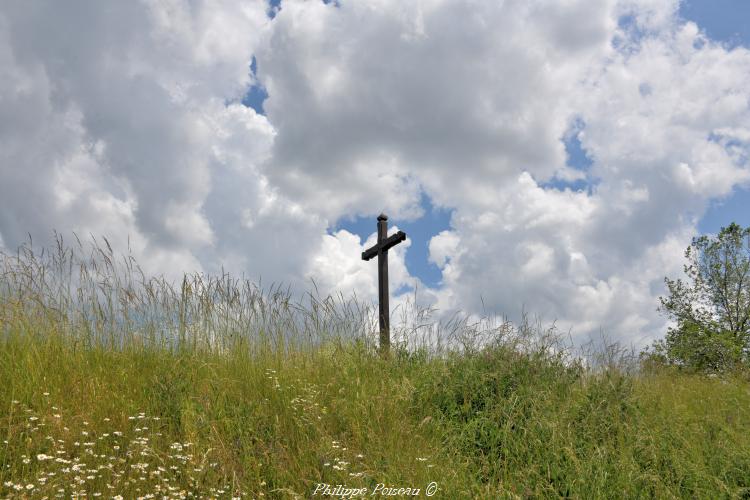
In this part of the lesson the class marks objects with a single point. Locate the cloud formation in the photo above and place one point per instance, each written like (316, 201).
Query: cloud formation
(125, 120)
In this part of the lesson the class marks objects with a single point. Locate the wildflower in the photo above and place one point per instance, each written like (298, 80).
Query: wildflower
(42, 457)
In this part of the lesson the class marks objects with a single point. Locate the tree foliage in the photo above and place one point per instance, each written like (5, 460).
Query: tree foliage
(711, 308)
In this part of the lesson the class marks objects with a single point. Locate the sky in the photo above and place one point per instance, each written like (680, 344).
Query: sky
(552, 157)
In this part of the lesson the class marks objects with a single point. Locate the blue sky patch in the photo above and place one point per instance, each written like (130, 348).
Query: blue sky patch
(434, 220)
(727, 21)
(577, 158)
(722, 212)
(256, 94)
(274, 6)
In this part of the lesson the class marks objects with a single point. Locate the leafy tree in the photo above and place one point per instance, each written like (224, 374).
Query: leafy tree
(712, 310)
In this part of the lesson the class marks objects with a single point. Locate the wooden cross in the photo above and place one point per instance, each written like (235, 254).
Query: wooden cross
(381, 250)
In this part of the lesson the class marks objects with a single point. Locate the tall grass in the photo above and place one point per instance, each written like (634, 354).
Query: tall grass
(118, 384)
(93, 298)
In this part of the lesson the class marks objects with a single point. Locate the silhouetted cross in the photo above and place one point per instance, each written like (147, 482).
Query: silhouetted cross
(381, 250)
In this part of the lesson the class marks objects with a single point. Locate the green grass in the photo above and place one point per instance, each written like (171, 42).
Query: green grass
(260, 399)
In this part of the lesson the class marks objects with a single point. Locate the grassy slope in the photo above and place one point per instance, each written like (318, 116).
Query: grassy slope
(492, 424)
(91, 400)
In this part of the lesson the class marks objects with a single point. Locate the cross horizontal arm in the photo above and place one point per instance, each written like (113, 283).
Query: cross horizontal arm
(370, 253)
(387, 243)
(393, 240)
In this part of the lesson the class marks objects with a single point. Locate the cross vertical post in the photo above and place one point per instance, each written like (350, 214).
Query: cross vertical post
(383, 295)
(381, 250)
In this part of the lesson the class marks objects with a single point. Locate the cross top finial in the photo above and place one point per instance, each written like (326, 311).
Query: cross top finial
(382, 216)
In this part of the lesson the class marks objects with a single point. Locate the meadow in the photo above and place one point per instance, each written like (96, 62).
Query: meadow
(115, 384)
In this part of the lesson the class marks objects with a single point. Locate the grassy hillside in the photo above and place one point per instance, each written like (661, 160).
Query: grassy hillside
(117, 385)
